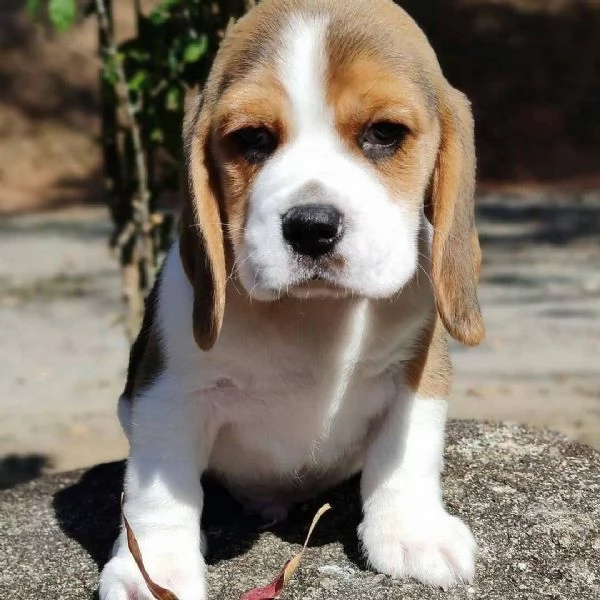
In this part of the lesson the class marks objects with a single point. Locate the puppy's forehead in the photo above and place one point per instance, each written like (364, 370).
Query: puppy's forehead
(301, 67)
(282, 39)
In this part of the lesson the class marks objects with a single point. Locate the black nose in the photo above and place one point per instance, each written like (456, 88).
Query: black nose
(313, 229)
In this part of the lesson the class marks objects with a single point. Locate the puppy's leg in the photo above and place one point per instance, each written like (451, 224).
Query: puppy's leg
(406, 531)
(170, 439)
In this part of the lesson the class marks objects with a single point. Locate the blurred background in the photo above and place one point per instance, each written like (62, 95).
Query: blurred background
(532, 71)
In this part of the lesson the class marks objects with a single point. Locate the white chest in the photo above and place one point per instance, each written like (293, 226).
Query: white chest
(294, 388)
(282, 435)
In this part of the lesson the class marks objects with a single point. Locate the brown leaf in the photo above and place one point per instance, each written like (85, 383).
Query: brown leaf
(273, 589)
(269, 592)
(159, 592)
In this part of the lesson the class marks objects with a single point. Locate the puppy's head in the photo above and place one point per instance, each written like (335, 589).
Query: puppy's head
(325, 133)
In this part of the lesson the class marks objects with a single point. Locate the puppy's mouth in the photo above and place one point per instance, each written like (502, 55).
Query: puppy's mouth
(313, 289)
(305, 278)
(317, 283)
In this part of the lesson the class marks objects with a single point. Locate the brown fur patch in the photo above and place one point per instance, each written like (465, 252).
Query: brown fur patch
(456, 256)
(201, 241)
(397, 97)
(430, 371)
(256, 101)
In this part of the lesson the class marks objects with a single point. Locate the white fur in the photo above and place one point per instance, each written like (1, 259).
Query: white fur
(286, 402)
(163, 496)
(406, 531)
(379, 246)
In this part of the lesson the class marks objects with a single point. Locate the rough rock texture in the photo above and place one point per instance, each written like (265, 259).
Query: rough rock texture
(532, 499)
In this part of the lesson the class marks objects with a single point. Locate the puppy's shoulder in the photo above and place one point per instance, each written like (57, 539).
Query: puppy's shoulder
(165, 308)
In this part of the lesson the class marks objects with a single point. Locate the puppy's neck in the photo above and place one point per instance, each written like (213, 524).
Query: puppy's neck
(330, 326)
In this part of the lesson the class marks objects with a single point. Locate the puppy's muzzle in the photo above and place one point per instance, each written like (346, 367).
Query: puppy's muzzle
(313, 230)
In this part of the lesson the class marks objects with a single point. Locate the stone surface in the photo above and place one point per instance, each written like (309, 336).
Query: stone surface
(532, 499)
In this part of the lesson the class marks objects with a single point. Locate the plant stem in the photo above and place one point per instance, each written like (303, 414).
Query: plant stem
(142, 258)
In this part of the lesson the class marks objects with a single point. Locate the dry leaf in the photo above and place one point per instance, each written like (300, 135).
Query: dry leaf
(159, 592)
(269, 592)
(273, 589)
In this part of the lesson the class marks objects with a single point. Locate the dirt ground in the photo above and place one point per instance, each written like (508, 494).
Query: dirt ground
(63, 355)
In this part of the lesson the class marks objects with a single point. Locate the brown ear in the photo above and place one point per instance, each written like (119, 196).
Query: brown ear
(456, 256)
(201, 242)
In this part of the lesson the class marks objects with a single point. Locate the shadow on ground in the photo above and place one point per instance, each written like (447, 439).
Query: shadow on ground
(538, 220)
(21, 468)
(95, 500)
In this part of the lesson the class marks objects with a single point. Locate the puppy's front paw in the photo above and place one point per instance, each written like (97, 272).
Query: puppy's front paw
(178, 567)
(427, 544)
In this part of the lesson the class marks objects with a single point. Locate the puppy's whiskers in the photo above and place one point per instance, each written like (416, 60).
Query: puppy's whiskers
(237, 263)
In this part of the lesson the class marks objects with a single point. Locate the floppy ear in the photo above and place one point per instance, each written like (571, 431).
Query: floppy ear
(456, 255)
(201, 242)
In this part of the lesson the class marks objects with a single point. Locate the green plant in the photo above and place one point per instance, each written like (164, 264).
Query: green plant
(143, 86)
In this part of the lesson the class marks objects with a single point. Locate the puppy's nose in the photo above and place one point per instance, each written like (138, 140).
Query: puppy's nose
(313, 229)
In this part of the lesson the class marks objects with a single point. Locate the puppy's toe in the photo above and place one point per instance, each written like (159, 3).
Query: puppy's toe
(176, 567)
(431, 546)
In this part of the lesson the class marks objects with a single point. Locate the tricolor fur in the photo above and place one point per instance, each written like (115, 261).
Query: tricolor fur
(285, 370)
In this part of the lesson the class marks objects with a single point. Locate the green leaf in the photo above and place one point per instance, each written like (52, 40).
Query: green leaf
(62, 13)
(33, 8)
(110, 71)
(137, 55)
(174, 98)
(173, 61)
(195, 50)
(168, 5)
(157, 135)
(139, 81)
(159, 15)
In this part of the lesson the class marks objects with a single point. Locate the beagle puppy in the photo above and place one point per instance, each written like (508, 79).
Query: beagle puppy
(297, 331)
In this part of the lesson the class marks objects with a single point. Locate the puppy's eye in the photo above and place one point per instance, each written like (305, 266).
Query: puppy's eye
(384, 134)
(255, 143)
(381, 139)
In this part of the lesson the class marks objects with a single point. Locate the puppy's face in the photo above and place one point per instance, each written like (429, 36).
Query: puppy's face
(325, 157)
(324, 131)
